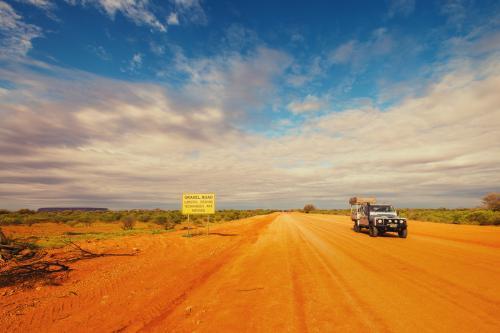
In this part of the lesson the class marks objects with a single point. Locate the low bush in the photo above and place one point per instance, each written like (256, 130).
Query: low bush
(442, 215)
(160, 219)
(455, 216)
(166, 218)
(128, 223)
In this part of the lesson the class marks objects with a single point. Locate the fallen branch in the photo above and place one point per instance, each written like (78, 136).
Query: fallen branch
(39, 267)
(11, 247)
(78, 247)
(42, 270)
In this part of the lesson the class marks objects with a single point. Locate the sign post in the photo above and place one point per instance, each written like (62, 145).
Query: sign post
(208, 226)
(198, 204)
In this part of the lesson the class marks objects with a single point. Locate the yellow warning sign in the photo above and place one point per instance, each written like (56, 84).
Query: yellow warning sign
(198, 203)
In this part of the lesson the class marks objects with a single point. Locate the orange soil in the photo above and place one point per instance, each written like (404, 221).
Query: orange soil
(277, 273)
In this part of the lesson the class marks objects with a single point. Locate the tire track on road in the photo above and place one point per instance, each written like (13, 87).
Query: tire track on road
(211, 267)
(370, 320)
(390, 267)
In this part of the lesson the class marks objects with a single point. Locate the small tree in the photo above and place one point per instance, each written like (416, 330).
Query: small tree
(128, 223)
(26, 211)
(309, 208)
(492, 201)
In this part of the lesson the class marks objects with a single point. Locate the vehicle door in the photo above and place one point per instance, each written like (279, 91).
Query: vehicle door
(364, 213)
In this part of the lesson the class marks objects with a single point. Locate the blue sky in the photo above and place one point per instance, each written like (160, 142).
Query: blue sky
(267, 104)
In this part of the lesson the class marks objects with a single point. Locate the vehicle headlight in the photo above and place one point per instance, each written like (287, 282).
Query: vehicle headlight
(390, 221)
(379, 221)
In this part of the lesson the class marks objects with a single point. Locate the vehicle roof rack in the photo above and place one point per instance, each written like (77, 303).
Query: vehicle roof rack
(359, 201)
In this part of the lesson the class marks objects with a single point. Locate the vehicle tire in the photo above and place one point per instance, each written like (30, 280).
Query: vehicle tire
(356, 226)
(403, 233)
(373, 231)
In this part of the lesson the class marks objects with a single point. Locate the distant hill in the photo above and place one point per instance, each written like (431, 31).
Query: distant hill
(60, 209)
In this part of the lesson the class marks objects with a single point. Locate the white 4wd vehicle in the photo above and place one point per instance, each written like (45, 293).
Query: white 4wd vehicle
(378, 219)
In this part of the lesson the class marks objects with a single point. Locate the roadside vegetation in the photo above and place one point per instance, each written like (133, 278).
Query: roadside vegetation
(488, 214)
(75, 226)
(128, 218)
(477, 216)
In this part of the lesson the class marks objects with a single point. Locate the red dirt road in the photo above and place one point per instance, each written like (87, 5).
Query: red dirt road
(277, 273)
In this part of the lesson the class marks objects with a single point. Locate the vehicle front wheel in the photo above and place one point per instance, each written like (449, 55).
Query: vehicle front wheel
(403, 233)
(356, 227)
(373, 231)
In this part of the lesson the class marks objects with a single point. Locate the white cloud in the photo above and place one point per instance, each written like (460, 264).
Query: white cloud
(297, 37)
(358, 53)
(344, 53)
(309, 104)
(233, 82)
(401, 7)
(137, 11)
(236, 37)
(173, 19)
(480, 41)
(191, 11)
(43, 4)
(436, 149)
(15, 35)
(100, 51)
(312, 70)
(157, 48)
(141, 13)
(136, 62)
(456, 11)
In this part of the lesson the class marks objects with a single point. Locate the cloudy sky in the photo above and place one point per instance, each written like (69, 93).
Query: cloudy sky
(129, 103)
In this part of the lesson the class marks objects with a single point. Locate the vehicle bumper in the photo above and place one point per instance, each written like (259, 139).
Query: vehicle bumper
(388, 226)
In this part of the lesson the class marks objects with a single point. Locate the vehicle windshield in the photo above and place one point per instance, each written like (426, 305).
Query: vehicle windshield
(381, 208)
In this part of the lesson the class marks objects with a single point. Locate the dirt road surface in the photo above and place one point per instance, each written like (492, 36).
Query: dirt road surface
(285, 272)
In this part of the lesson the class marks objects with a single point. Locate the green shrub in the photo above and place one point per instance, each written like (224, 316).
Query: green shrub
(482, 217)
(166, 218)
(159, 219)
(128, 223)
(86, 219)
(143, 218)
(25, 211)
(12, 220)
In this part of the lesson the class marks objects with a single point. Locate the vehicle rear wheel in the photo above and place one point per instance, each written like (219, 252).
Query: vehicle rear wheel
(403, 233)
(373, 231)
